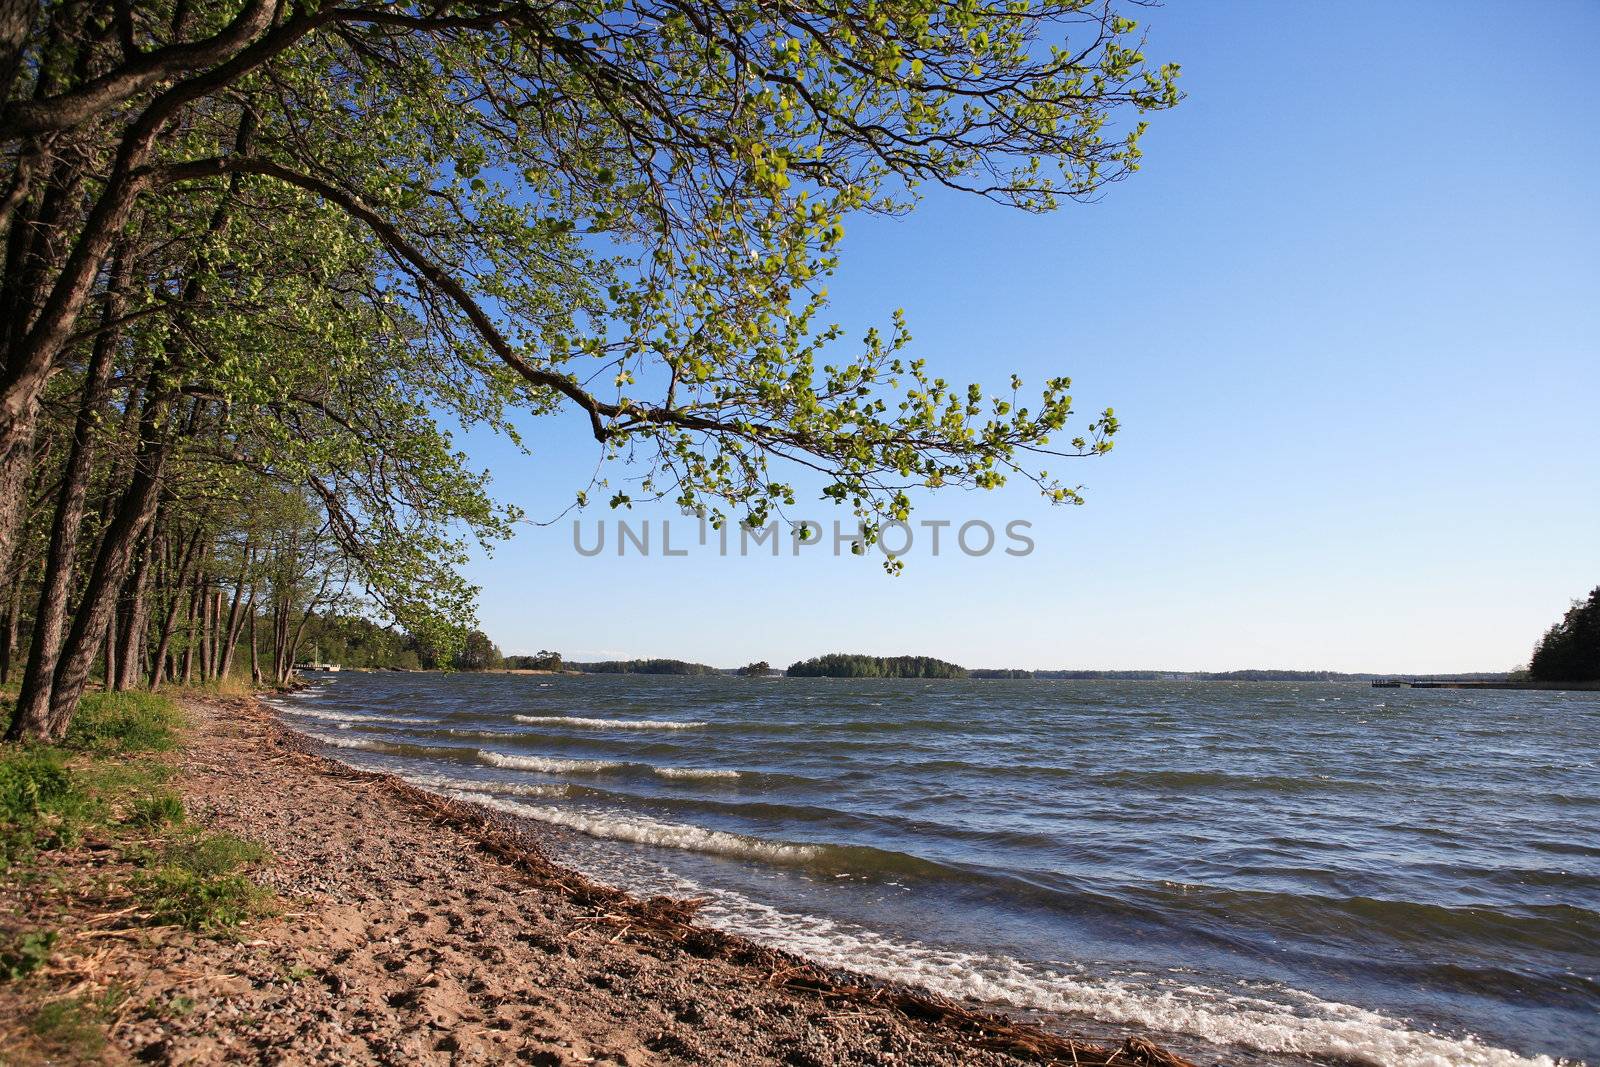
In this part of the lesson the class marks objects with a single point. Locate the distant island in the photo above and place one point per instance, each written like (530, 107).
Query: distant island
(645, 666)
(842, 665)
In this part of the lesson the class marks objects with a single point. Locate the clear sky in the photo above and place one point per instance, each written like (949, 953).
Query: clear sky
(1349, 314)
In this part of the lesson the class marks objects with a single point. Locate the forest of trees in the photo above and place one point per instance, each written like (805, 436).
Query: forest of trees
(842, 665)
(543, 660)
(644, 666)
(1570, 650)
(261, 260)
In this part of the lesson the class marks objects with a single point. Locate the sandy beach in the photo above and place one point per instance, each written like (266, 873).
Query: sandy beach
(411, 929)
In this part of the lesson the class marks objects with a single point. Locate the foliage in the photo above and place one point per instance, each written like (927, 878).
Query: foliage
(644, 666)
(266, 262)
(543, 660)
(841, 665)
(355, 641)
(27, 953)
(758, 669)
(1570, 650)
(477, 653)
(42, 802)
(33, 781)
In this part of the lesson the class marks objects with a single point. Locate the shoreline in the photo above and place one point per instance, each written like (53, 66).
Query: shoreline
(417, 927)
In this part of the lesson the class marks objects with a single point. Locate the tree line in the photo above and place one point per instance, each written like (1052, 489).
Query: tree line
(1570, 650)
(263, 259)
(843, 665)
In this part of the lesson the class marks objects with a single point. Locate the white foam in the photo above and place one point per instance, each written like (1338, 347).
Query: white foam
(349, 717)
(695, 772)
(546, 764)
(440, 782)
(643, 830)
(607, 724)
(1269, 1020)
(364, 743)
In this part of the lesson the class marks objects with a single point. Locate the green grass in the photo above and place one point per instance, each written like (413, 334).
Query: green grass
(200, 882)
(208, 855)
(26, 954)
(43, 804)
(154, 810)
(110, 724)
(107, 780)
(72, 1029)
(33, 782)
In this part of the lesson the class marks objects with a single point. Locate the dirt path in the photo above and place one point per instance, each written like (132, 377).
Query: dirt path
(419, 931)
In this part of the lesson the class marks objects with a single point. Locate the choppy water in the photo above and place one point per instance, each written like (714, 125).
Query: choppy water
(1257, 872)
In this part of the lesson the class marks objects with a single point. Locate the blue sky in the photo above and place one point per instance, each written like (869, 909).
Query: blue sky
(1349, 314)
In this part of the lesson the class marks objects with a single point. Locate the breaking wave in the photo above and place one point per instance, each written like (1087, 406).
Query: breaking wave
(643, 830)
(546, 764)
(1295, 1023)
(520, 789)
(695, 772)
(607, 724)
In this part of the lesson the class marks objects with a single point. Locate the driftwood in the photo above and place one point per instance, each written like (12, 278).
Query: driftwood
(671, 920)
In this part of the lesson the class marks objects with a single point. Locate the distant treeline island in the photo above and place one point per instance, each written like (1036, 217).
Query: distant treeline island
(355, 642)
(1569, 651)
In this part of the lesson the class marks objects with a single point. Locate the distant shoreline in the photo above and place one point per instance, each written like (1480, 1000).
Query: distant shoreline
(1566, 687)
(1480, 680)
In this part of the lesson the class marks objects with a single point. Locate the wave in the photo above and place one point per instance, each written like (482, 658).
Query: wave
(546, 764)
(695, 772)
(521, 789)
(1272, 1020)
(350, 717)
(607, 724)
(643, 830)
(369, 744)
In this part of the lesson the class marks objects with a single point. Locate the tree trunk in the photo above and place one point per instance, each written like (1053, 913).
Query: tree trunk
(235, 620)
(50, 618)
(255, 655)
(9, 632)
(111, 648)
(133, 514)
(161, 662)
(136, 613)
(189, 631)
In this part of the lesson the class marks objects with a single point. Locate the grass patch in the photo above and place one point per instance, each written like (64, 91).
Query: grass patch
(43, 803)
(213, 854)
(108, 780)
(33, 782)
(70, 1029)
(152, 811)
(108, 785)
(200, 883)
(109, 724)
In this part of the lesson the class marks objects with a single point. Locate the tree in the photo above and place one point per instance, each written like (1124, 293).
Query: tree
(543, 660)
(478, 653)
(261, 250)
(1570, 650)
(498, 154)
(758, 669)
(846, 665)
